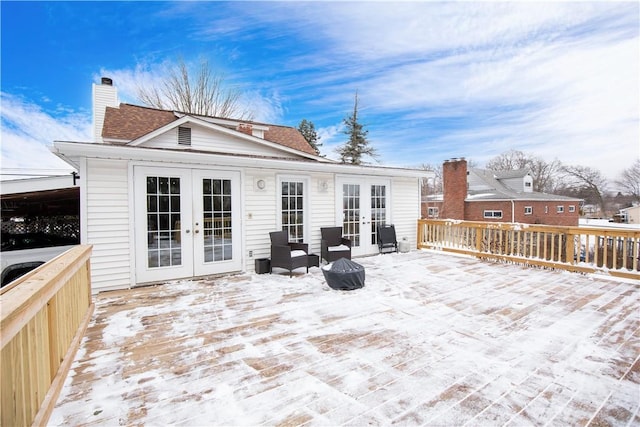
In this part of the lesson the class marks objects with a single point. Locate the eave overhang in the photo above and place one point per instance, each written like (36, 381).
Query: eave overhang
(71, 152)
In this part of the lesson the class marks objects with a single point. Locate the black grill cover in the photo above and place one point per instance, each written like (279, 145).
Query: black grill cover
(344, 275)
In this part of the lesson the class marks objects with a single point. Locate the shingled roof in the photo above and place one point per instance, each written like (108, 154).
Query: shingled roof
(129, 122)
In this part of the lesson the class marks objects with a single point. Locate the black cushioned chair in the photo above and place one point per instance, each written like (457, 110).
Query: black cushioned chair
(387, 238)
(287, 255)
(332, 245)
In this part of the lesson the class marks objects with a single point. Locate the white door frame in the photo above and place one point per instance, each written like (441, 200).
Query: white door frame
(202, 266)
(365, 244)
(189, 237)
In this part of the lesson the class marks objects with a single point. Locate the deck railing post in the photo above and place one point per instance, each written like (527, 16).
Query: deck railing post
(584, 249)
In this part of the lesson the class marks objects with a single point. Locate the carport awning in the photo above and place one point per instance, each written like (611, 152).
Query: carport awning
(64, 201)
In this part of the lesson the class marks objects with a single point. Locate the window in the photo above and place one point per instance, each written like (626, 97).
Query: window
(527, 184)
(546, 209)
(492, 214)
(292, 209)
(560, 209)
(572, 208)
(433, 212)
(184, 136)
(528, 210)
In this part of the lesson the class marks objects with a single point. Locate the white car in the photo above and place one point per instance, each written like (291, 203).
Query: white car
(22, 253)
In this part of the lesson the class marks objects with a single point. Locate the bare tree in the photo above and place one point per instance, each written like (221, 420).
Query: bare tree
(511, 160)
(544, 173)
(203, 94)
(629, 180)
(431, 186)
(587, 181)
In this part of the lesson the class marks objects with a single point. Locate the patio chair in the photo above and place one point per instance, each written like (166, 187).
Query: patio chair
(387, 238)
(332, 245)
(287, 255)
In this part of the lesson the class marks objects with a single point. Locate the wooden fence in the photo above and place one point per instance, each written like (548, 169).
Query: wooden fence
(585, 249)
(44, 316)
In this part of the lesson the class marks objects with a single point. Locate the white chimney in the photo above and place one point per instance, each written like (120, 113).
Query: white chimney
(104, 95)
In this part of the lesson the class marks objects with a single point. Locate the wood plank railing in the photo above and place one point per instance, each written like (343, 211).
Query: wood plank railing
(44, 317)
(585, 249)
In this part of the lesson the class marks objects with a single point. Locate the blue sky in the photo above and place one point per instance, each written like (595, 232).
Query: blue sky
(558, 80)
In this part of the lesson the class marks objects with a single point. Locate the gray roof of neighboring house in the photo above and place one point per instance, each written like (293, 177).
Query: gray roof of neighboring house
(488, 185)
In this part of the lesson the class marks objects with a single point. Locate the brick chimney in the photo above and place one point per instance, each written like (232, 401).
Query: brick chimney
(454, 183)
(245, 128)
(104, 95)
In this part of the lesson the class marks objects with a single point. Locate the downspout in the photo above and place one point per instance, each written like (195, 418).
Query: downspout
(513, 211)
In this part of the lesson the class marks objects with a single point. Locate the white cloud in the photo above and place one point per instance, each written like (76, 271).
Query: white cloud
(559, 80)
(266, 108)
(28, 132)
(436, 79)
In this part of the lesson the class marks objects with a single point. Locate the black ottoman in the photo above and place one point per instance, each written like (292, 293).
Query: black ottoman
(344, 275)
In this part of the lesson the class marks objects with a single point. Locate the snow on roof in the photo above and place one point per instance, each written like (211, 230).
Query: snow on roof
(431, 339)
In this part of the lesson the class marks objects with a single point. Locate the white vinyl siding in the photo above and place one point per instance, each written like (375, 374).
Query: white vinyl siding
(404, 211)
(259, 215)
(209, 140)
(262, 208)
(107, 224)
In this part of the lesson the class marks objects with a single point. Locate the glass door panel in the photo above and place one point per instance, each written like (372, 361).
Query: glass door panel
(162, 212)
(351, 213)
(163, 221)
(378, 210)
(364, 205)
(217, 222)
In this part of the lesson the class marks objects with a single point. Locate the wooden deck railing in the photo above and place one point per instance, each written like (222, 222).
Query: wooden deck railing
(585, 249)
(44, 316)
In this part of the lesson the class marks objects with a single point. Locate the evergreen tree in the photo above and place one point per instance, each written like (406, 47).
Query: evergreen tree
(308, 130)
(357, 146)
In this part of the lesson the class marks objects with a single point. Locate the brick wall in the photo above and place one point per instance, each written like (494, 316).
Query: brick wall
(542, 212)
(454, 178)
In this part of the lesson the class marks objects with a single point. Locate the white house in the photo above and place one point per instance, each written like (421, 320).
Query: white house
(167, 195)
(631, 215)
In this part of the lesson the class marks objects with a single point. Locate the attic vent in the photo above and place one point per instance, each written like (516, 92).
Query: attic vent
(184, 136)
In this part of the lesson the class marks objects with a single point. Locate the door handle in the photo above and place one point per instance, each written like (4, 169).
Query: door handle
(187, 231)
(196, 231)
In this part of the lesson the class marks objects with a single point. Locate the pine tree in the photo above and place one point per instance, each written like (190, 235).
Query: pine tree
(357, 146)
(308, 130)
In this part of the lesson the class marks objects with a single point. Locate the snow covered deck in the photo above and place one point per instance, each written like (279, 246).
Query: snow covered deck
(432, 339)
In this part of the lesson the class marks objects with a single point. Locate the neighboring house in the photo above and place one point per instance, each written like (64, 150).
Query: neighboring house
(484, 195)
(167, 195)
(631, 215)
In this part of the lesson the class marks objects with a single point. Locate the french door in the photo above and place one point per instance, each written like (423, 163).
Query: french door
(186, 223)
(362, 204)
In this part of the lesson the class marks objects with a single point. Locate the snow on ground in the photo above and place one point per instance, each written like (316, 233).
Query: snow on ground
(432, 339)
